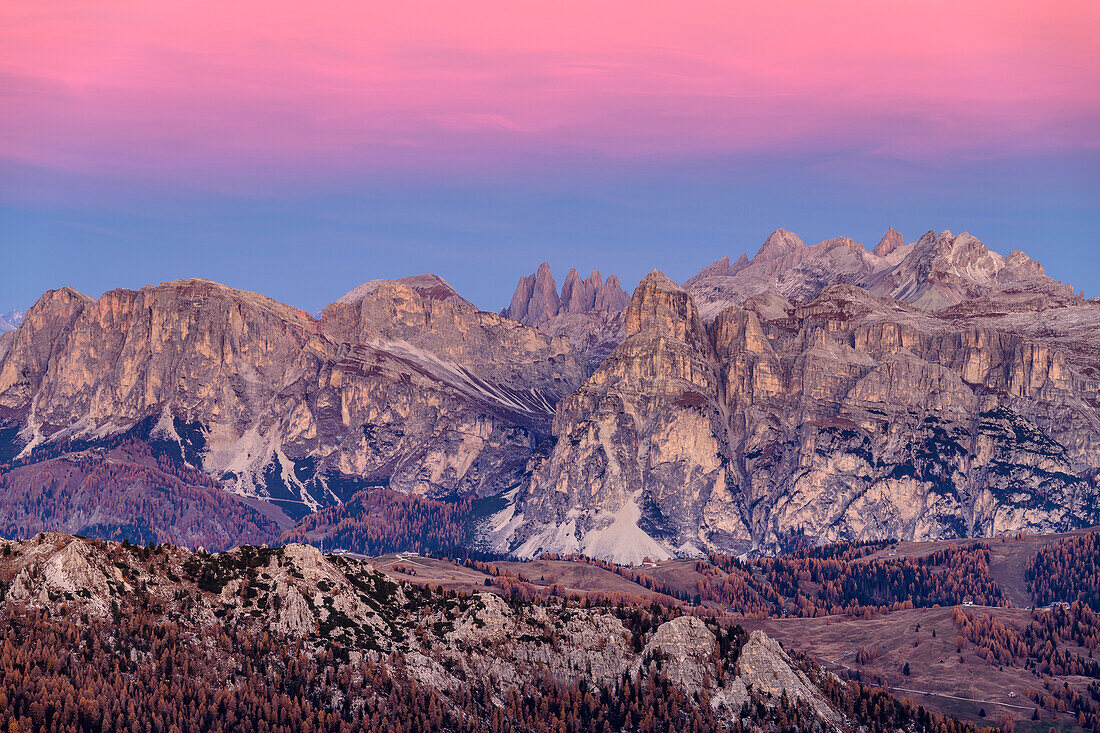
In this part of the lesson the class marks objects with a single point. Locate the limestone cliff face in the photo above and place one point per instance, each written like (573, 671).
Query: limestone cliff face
(401, 382)
(922, 391)
(640, 450)
(849, 416)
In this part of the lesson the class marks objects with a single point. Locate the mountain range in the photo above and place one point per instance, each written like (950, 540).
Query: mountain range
(10, 321)
(926, 390)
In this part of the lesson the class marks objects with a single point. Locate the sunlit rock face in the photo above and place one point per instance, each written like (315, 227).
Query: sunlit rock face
(842, 415)
(399, 382)
(926, 390)
(640, 450)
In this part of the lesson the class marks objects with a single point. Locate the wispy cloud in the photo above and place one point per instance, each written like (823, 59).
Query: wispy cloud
(204, 89)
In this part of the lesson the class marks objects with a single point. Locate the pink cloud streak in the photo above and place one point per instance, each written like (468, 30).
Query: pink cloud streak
(167, 89)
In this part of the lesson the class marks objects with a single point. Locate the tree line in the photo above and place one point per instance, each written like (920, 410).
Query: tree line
(1066, 570)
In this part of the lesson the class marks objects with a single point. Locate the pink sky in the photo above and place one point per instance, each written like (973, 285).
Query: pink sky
(165, 89)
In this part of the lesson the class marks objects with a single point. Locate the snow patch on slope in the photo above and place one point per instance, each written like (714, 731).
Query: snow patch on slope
(618, 539)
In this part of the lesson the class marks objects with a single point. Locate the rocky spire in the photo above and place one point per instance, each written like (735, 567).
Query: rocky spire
(536, 299)
(889, 243)
(610, 296)
(578, 296)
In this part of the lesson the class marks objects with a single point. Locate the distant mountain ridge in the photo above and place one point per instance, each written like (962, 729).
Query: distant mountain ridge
(936, 272)
(924, 390)
(537, 301)
(10, 321)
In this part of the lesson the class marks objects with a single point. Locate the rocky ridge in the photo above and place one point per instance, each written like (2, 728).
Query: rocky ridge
(441, 642)
(400, 383)
(848, 416)
(936, 272)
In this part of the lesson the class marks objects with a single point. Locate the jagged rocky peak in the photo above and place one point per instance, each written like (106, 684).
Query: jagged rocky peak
(945, 269)
(635, 444)
(660, 305)
(891, 242)
(958, 254)
(781, 247)
(536, 299)
(719, 268)
(1020, 267)
(50, 301)
(781, 251)
(537, 302)
(938, 271)
(579, 295)
(592, 293)
(610, 296)
(783, 265)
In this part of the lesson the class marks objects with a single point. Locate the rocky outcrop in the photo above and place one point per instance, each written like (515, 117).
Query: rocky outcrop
(640, 451)
(536, 299)
(688, 651)
(891, 242)
(763, 667)
(56, 567)
(347, 611)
